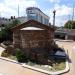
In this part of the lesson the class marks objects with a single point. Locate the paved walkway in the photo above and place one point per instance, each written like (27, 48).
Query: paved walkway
(9, 68)
(68, 46)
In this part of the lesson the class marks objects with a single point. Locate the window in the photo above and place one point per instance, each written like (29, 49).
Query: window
(41, 19)
(46, 21)
(32, 16)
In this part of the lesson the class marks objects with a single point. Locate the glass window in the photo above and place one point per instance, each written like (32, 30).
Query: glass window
(41, 19)
(32, 16)
(46, 21)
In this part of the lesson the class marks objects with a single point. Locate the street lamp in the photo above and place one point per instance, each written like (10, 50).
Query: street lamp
(54, 13)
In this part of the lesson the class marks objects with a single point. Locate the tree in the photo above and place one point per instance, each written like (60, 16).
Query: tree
(70, 24)
(12, 24)
(6, 33)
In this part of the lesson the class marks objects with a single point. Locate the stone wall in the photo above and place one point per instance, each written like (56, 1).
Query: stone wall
(35, 43)
(33, 39)
(16, 39)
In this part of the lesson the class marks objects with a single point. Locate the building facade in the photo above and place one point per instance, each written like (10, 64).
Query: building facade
(22, 19)
(66, 34)
(36, 14)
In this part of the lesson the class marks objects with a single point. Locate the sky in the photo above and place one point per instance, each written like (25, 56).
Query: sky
(64, 9)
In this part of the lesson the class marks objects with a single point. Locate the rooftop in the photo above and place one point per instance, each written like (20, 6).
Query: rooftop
(29, 8)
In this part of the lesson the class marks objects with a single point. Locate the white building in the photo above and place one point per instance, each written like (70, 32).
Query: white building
(22, 19)
(36, 14)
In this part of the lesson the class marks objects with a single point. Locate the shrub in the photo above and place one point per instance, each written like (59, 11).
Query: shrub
(7, 43)
(11, 50)
(5, 54)
(21, 57)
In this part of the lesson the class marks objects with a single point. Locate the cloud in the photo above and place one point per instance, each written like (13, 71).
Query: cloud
(62, 10)
(62, 14)
(54, 1)
(10, 7)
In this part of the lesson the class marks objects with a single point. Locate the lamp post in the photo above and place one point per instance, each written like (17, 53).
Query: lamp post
(54, 13)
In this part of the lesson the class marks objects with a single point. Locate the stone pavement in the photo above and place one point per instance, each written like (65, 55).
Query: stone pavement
(9, 68)
(68, 46)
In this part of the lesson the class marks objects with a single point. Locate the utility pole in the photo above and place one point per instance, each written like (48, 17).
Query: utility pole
(69, 17)
(73, 14)
(54, 13)
(18, 10)
(68, 20)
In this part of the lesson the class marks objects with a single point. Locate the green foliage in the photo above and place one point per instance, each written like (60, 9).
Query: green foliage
(5, 53)
(70, 24)
(12, 24)
(21, 57)
(7, 43)
(6, 33)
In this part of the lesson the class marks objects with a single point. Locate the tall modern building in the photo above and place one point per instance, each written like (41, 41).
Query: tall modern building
(36, 14)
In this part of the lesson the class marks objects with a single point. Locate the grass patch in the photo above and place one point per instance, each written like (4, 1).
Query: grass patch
(59, 66)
